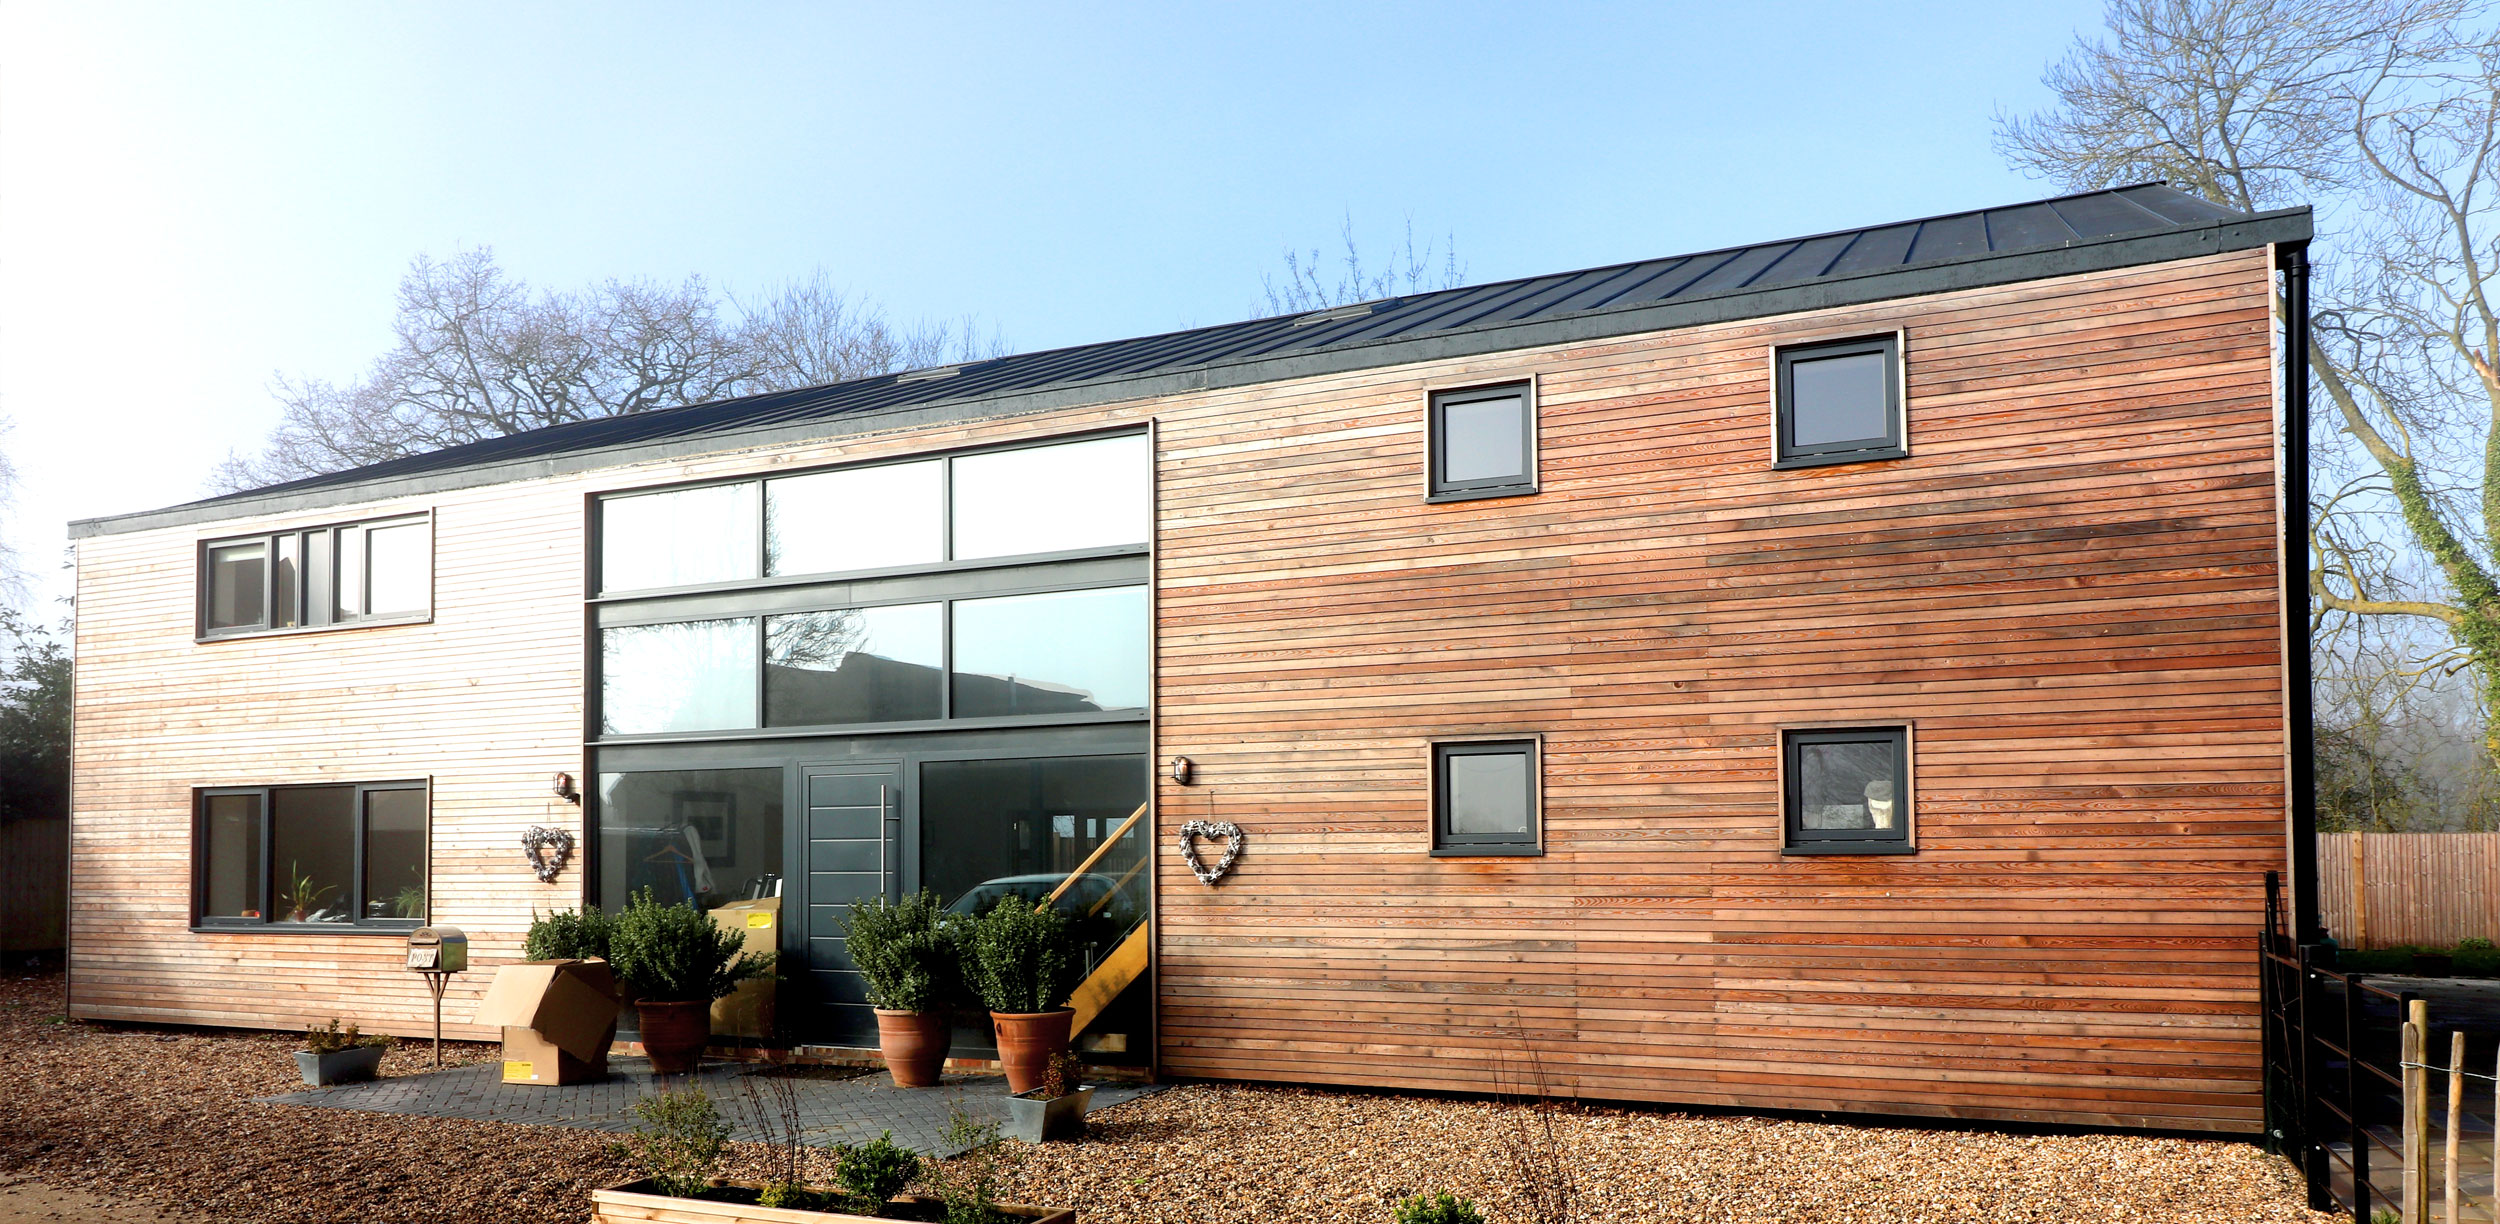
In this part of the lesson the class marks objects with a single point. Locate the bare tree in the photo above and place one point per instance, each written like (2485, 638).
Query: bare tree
(2385, 114)
(478, 354)
(1306, 283)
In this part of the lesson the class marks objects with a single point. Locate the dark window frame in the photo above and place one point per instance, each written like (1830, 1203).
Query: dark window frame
(1438, 489)
(228, 924)
(1795, 838)
(1446, 844)
(1895, 444)
(314, 601)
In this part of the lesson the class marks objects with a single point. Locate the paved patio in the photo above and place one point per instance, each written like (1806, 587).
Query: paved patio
(835, 1106)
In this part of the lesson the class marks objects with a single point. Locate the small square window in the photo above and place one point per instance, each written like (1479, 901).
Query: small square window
(1847, 790)
(1484, 798)
(1839, 403)
(1483, 443)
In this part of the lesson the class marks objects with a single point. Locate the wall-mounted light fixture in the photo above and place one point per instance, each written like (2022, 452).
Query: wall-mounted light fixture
(1180, 770)
(565, 789)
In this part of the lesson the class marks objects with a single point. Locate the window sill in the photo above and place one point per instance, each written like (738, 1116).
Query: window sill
(363, 930)
(1489, 851)
(1466, 495)
(235, 635)
(1838, 457)
(1850, 848)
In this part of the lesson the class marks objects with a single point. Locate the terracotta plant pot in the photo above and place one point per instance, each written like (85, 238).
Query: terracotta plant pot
(673, 1034)
(1027, 1040)
(914, 1045)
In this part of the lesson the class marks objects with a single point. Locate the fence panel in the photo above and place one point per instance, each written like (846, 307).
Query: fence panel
(2426, 889)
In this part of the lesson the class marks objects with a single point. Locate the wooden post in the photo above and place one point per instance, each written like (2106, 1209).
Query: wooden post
(2417, 1119)
(2456, 1122)
(2360, 898)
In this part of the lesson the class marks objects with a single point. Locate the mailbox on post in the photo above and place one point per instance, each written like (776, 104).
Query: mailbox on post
(437, 952)
(438, 949)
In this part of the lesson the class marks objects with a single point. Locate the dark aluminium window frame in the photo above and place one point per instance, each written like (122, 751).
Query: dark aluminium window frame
(1446, 844)
(1795, 838)
(201, 922)
(1437, 489)
(1895, 444)
(315, 594)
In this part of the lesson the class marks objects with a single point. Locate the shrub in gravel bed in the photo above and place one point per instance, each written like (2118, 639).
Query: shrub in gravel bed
(1440, 1208)
(680, 1140)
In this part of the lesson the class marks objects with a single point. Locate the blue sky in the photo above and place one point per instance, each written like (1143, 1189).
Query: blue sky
(196, 197)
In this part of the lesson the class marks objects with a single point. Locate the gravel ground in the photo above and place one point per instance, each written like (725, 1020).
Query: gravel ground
(165, 1117)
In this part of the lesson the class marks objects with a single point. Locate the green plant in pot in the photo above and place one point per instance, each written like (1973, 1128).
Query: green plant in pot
(908, 953)
(1023, 961)
(581, 934)
(334, 1055)
(676, 960)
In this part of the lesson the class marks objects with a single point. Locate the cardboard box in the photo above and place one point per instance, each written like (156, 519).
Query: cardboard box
(749, 1011)
(558, 1019)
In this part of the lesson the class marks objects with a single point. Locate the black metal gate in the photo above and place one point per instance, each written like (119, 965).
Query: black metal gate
(2333, 1088)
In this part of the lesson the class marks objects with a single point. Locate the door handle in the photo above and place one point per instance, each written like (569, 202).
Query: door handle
(884, 871)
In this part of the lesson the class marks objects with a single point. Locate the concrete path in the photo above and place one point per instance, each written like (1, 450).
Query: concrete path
(834, 1105)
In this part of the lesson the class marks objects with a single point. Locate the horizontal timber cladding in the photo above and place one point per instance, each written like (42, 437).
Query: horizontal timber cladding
(2069, 589)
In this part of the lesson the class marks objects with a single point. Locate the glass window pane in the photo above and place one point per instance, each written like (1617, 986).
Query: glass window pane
(1067, 652)
(313, 848)
(349, 589)
(1488, 792)
(399, 569)
(687, 676)
(854, 665)
(1053, 498)
(230, 853)
(395, 854)
(1484, 440)
(1838, 399)
(286, 596)
(235, 585)
(679, 538)
(990, 829)
(709, 836)
(1850, 785)
(864, 518)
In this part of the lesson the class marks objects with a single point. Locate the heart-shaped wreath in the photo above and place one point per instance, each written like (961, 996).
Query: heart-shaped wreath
(1192, 831)
(548, 850)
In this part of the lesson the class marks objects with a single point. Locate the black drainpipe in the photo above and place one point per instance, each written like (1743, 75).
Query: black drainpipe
(2300, 702)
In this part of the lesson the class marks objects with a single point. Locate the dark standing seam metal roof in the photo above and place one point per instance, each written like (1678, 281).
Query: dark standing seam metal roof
(2042, 225)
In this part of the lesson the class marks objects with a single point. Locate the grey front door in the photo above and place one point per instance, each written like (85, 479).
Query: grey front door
(850, 835)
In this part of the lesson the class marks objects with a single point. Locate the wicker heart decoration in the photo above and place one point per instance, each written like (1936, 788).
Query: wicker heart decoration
(1192, 831)
(548, 851)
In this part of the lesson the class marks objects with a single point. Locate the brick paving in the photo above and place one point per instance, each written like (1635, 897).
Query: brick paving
(834, 1107)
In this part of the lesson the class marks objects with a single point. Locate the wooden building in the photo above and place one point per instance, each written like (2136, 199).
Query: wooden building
(1839, 673)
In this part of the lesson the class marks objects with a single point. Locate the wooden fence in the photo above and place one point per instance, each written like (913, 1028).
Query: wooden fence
(2423, 889)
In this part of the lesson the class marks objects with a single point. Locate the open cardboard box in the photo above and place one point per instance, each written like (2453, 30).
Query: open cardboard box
(748, 1012)
(558, 1018)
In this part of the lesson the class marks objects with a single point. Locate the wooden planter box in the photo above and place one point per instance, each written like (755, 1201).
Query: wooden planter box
(628, 1204)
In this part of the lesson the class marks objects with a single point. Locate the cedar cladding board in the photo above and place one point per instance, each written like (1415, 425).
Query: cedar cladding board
(2070, 588)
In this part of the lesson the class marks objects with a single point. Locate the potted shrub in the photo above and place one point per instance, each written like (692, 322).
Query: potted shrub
(676, 960)
(682, 1137)
(569, 935)
(334, 1055)
(907, 953)
(1056, 1110)
(1023, 962)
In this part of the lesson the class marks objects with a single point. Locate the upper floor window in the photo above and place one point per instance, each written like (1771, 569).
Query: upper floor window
(1839, 402)
(1483, 442)
(310, 856)
(1054, 498)
(1484, 797)
(381, 571)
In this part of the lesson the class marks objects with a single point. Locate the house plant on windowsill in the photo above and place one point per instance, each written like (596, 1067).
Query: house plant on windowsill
(907, 952)
(676, 960)
(1022, 961)
(334, 1055)
(682, 1138)
(1056, 1110)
